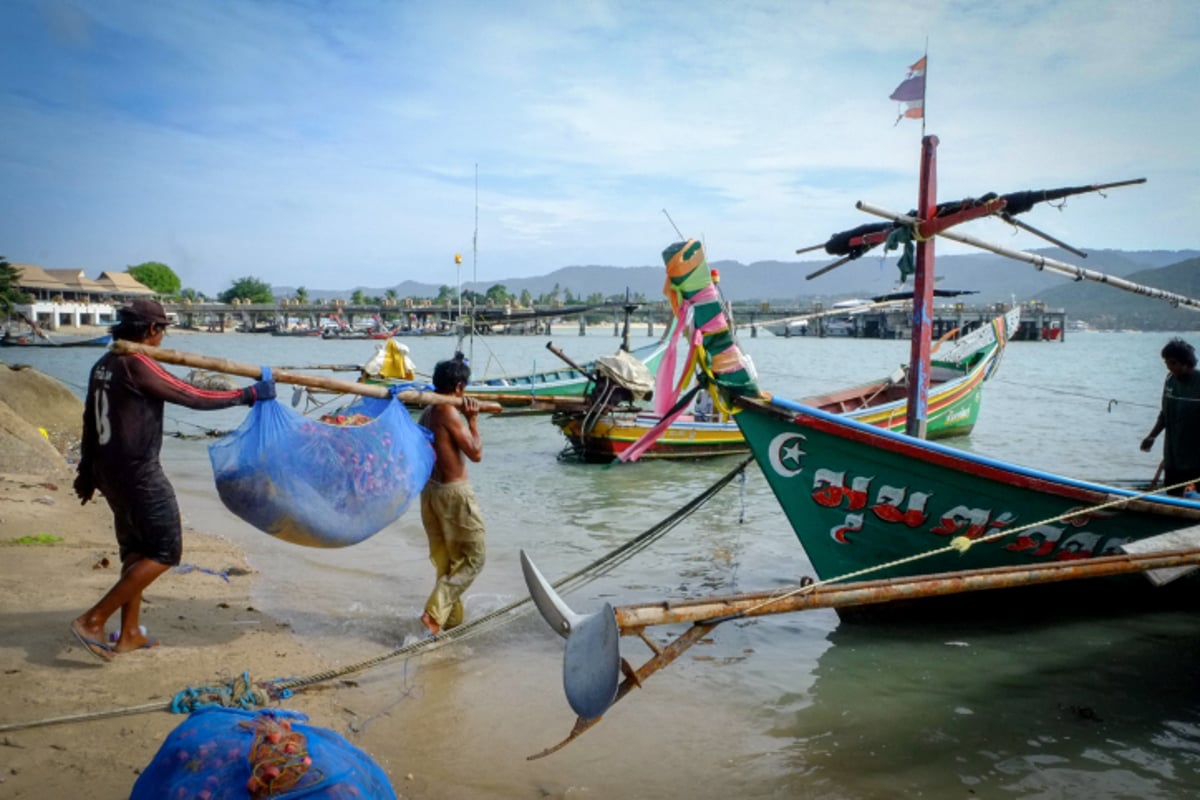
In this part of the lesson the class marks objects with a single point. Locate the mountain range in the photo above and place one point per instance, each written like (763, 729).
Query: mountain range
(990, 278)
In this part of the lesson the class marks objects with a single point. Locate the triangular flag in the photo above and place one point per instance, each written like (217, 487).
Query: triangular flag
(911, 92)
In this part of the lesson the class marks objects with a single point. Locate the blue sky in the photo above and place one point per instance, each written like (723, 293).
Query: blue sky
(335, 144)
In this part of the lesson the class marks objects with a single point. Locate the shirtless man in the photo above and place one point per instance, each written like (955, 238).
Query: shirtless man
(122, 436)
(449, 511)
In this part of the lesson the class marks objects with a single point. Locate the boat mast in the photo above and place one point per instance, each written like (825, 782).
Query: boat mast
(475, 260)
(922, 313)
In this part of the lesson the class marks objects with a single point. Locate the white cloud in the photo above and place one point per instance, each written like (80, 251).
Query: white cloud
(277, 139)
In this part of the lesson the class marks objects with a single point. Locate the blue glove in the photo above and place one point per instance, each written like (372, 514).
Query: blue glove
(263, 390)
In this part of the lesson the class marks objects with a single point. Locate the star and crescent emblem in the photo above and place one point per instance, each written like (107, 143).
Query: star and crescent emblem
(786, 454)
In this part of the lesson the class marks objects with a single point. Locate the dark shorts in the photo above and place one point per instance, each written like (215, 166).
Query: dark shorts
(147, 521)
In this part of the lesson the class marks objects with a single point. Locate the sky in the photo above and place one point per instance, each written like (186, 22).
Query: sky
(356, 144)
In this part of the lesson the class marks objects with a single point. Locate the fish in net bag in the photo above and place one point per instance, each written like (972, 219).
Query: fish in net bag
(235, 754)
(323, 484)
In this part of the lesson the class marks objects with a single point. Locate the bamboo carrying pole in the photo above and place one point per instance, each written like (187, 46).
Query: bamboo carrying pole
(301, 379)
(520, 400)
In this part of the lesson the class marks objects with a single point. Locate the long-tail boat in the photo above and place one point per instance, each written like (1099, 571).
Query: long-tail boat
(550, 389)
(888, 520)
(567, 383)
(886, 516)
(42, 340)
(955, 395)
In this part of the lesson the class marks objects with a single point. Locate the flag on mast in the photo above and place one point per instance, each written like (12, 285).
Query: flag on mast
(911, 92)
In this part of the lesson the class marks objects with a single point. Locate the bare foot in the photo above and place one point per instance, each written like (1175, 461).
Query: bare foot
(430, 624)
(92, 640)
(138, 640)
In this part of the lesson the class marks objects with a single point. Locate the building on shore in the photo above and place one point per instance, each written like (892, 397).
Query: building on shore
(68, 298)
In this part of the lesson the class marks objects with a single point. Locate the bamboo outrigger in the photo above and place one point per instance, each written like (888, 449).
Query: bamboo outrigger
(593, 666)
(856, 242)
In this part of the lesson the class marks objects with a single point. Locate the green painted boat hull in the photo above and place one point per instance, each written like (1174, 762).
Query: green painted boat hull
(868, 504)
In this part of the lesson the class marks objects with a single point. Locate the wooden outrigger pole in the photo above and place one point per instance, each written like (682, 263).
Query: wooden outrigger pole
(857, 242)
(592, 665)
(1043, 262)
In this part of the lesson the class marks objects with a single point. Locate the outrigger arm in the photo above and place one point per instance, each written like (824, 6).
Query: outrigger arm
(1042, 262)
(592, 665)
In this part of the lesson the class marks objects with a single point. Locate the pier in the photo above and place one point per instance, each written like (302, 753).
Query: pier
(1038, 323)
(893, 321)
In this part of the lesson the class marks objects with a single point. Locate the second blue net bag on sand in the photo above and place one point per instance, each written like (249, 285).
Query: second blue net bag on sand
(318, 484)
(232, 754)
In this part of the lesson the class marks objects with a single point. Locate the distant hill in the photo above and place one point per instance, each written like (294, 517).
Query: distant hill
(1108, 308)
(993, 278)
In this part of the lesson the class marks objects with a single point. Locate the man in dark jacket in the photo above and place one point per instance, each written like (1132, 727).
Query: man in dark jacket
(1179, 417)
(122, 436)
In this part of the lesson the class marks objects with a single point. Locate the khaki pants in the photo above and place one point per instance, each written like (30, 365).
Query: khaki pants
(456, 547)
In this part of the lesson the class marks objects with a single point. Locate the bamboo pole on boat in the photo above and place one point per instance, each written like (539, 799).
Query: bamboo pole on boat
(706, 614)
(633, 618)
(1042, 262)
(568, 360)
(283, 376)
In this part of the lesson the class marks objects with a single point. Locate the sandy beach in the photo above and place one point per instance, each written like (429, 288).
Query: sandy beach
(59, 558)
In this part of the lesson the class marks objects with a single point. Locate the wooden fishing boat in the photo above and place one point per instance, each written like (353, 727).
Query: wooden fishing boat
(955, 396)
(886, 517)
(310, 332)
(30, 340)
(546, 390)
(876, 504)
(570, 384)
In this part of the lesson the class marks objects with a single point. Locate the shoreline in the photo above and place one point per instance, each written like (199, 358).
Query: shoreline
(208, 627)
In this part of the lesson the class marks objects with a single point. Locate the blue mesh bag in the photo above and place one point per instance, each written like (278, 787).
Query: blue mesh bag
(228, 753)
(317, 484)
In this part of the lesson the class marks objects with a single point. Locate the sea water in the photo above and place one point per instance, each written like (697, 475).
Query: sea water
(782, 706)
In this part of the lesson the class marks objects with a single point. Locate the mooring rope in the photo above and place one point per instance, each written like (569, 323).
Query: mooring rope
(281, 688)
(575, 580)
(1111, 401)
(959, 544)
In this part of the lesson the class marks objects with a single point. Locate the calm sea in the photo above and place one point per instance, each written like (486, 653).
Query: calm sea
(786, 706)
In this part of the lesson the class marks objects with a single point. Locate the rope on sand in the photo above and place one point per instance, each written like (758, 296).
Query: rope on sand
(241, 692)
(580, 577)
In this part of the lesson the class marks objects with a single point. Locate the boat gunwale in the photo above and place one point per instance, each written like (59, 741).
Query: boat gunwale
(944, 456)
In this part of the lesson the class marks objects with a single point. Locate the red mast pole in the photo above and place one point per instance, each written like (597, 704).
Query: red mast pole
(922, 319)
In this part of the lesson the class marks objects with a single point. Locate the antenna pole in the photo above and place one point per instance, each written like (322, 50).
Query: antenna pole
(925, 97)
(475, 258)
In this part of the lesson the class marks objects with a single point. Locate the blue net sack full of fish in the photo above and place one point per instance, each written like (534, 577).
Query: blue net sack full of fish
(228, 753)
(318, 484)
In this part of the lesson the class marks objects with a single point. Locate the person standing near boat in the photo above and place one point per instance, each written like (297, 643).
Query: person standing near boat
(122, 436)
(449, 510)
(1179, 417)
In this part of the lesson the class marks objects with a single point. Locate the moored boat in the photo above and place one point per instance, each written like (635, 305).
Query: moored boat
(955, 396)
(569, 384)
(30, 340)
(878, 504)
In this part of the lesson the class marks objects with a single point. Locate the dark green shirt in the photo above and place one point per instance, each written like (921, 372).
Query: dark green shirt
(1181, 415)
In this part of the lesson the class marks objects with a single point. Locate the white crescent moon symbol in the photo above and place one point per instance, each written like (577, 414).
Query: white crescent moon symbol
(776, 448)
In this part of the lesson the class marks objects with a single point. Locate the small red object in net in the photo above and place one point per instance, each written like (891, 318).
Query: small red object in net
(279, 759)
